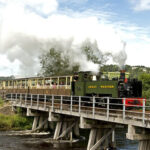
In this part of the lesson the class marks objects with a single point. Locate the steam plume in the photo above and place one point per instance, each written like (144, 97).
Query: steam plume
(120, 57)
(29, 27)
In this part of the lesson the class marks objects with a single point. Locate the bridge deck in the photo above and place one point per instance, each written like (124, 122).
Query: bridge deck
(76, 107)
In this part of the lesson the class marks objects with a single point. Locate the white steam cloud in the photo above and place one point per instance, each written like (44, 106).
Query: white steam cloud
(29, 27)
(121, 57)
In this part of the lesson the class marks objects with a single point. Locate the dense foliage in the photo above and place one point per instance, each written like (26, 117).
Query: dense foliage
(145, 78)
(7, 78)
(15, 122)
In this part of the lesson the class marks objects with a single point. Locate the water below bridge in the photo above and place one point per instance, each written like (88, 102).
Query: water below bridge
(32, 143)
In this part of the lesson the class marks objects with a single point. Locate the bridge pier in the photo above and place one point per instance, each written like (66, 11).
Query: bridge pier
(40, 120)
(143, 136)
(100, 134)
(35, 122)
(66, 127)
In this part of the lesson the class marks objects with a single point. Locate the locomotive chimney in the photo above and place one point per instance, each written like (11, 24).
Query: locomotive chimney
(122, 74)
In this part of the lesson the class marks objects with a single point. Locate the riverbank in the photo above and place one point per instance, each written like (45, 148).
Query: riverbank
(12, 121)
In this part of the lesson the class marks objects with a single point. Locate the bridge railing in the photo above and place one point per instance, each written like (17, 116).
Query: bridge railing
(94, 106)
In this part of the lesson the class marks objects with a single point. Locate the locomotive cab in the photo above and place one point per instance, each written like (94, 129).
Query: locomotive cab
(78, 83)
(129, 87)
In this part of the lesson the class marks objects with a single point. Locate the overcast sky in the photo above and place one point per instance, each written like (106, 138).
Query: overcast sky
(29, 27)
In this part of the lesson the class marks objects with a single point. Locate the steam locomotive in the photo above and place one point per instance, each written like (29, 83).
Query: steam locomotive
(79, 84)
(122, 87)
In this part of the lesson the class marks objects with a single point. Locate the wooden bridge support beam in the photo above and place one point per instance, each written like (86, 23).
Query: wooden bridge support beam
(76, 129)
(40, 120)
(100, 138)
(35, 123)
(101, 133)
(66, 127)
(92, 138)
(144, 145)
(64, 130)
(57, 130)
(143, 136)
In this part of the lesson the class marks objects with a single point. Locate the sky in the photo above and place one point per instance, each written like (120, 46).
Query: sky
(30, 27)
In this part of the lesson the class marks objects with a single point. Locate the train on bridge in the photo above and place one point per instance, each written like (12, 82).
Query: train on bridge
(79, 84)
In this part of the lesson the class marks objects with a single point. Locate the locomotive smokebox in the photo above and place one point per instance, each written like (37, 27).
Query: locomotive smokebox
(122, 74)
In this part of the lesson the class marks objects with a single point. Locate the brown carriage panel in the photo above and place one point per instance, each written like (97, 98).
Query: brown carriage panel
(40, 91)
(50, 91)
(24, 91)
(34, 91)
(13, 90)
(67, 92)
(17, 90)
(46, 91)
(54, 91)
(61, 92)
(8, 90)
(21, 91)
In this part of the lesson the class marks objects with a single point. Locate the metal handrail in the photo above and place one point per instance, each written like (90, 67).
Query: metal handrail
(81, 104)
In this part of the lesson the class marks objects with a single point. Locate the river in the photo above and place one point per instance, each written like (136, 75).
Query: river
(32, 143)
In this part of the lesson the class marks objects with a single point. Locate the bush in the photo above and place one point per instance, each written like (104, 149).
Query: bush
(15, 122)
(145, 78)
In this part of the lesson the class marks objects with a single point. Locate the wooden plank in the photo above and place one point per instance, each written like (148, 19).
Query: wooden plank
(102, 139)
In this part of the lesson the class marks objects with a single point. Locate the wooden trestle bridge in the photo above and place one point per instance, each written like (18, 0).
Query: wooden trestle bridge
(72, 113)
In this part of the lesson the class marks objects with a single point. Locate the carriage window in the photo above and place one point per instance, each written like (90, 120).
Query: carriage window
(33, 82)
(6, 83)
(40, 82)
(11, 83)
(68, 81)
(62, 81)
(23, 82)
(14, 83)
(18, 83)
(47, 81)
(26, 82)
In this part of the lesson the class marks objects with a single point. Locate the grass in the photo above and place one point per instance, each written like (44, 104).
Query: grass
(15, 122)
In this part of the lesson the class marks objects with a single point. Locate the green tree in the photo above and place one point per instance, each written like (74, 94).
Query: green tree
(93, 53)
(145, 78)
(53, 63)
